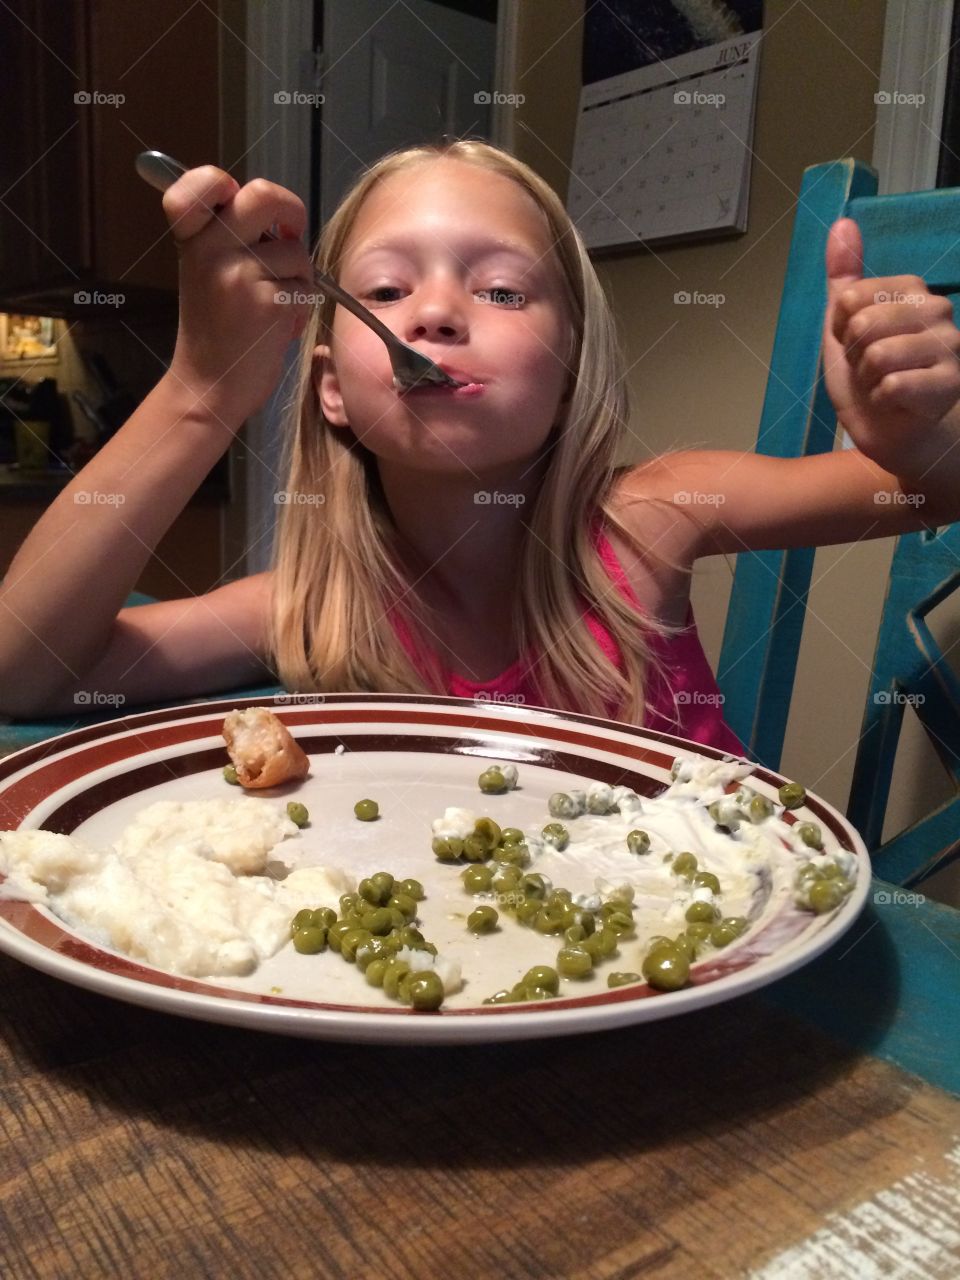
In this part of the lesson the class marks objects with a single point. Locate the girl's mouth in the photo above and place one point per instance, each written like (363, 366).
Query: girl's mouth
(467, 392)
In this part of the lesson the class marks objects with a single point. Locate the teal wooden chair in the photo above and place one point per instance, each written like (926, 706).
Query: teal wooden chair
(919, 234)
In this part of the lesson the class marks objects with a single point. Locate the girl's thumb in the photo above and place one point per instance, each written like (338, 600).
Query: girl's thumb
(844, 252)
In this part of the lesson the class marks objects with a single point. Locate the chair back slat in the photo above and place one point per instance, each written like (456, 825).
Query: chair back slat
(915, 234)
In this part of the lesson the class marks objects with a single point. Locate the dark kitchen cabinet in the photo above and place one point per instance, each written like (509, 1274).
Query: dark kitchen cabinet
(87, 84)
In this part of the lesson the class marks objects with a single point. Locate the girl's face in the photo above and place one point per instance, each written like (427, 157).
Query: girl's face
(458, 262)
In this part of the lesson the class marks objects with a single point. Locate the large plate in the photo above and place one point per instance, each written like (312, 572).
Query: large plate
(415, 756)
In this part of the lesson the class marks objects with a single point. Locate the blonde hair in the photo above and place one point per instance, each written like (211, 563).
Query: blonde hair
(336, 572)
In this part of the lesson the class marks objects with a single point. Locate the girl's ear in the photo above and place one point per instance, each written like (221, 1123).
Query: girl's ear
(327, 386)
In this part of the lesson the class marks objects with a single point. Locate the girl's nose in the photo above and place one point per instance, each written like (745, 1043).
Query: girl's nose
(438, 312)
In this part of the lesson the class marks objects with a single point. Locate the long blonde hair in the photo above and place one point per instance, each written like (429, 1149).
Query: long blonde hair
(336, 572)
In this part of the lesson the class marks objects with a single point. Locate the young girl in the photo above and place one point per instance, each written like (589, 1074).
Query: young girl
(477, 541)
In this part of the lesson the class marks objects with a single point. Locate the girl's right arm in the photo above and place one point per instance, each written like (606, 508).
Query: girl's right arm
(62, 626)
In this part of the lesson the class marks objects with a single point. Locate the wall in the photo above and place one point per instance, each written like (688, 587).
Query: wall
(697, 374)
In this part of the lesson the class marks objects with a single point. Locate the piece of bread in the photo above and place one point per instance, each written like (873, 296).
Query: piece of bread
(262, 749)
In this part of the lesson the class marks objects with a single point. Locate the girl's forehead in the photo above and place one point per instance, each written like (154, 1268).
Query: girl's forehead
(446, 193)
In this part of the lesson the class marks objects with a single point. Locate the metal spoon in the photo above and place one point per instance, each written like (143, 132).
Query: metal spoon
(410, 367)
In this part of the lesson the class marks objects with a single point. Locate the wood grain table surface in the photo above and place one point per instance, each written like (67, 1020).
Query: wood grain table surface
(736, 1141)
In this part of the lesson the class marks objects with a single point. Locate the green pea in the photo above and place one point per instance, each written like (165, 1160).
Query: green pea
(302, 920)
(397, 917)
(561, 805)
(542, 975)
(684, 864)
(574, 933)
(620, 923)
(511, 835)
(556, 835)
(721, 935)
(367, 810)
(384, 881)
(810, 834)
(528, 910)
(666, 968)
(412, 888)
(374, 972)
(482, 920)
(574, 962)
(404, 904)
(372, 892)
(476, 849)
(297, 813)
(699, 930)
(488, 831)
(310, 941)
(534, 886)
(394, 972)
(324, 917)
(367, 952)
(792, 795)
(351, 940)
(559, 898)
(425, 991)
(335, 933)
(638, 841)
(516, 855)
(499, 997)
(506, 879)
(477, 879)
(447, 848)
(687, 946)
(539, 993)
(825, 895)
(411, 937)
(548, 920)
(622, 979)
(379, 922)
(347, 902)
(492, 781)
(706, 880)
(737, 923)
(230, 775)
(700, 912)
(760, 808)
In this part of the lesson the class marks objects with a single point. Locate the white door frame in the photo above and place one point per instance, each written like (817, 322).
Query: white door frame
(280, 57)
(916, 47)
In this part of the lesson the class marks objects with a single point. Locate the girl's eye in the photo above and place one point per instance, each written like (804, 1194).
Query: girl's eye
(501, 296)
(378, 294)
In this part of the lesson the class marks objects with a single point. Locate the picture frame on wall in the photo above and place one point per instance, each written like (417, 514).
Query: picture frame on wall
(27, 337)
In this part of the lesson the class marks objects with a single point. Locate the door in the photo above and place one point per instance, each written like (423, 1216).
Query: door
(399, 74)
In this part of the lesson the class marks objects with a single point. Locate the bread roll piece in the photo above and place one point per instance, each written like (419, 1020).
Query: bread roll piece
(262, 749)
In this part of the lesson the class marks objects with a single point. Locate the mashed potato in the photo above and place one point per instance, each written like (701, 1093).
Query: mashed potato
(180, 888)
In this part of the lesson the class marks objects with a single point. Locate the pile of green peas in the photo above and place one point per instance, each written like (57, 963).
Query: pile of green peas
(587, 937)
(372, 925)
(487, 840)
(820, 888)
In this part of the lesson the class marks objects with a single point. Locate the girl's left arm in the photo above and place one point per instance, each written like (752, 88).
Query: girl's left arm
(891, 356)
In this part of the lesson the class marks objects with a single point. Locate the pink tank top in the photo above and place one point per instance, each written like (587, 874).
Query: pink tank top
(684, 699)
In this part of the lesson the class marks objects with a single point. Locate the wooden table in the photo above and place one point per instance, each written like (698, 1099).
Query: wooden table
(739, 1141)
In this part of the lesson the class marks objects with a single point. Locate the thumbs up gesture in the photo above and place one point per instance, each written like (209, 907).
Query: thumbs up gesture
(891, 358)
